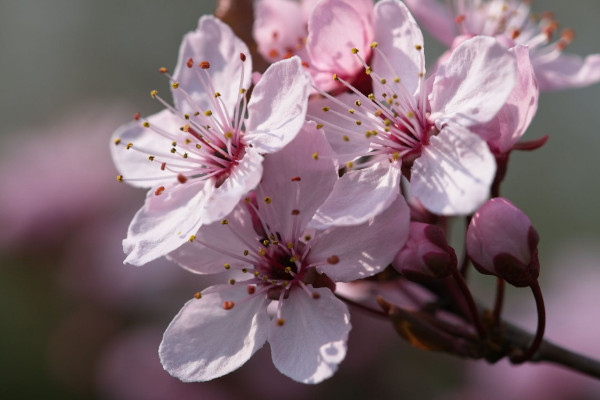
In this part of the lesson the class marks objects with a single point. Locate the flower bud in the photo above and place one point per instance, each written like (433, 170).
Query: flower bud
(502, 241)
(426, 254)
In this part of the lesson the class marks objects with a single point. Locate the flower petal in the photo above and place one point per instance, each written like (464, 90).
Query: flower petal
(401, 40)
(360, 195)
(165, 222)
(312, 341)
(363, 250)
(205, 341)
(566, 71)
(335, 27)
(435, 17)
(474, 83)
(215, 42)
(507, 127)
(296, 183)
(278, 27)
(454, 173)
(278, 106)
(133, 162)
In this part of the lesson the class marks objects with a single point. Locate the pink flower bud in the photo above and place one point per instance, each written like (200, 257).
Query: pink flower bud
(426, 254)
(502, 241)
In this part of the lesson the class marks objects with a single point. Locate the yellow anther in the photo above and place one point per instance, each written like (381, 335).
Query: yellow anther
(154, 93)
(217, 94)
(175, 85)
(410, 114)
(196, 113)
(245, 270)
(358, 103)
(188, 141)
(351, 111)
(374, 44)
(247, 200)
(173, 143)
(335, 77)
(262, 252)
(151, 158)
(418, 47)
(421, 74)
(307, 237)
(228, 135)
(227, 266)
(368, 70)
(198, 295)
(346, 138)
(354, 50)
(396, 156)
(280, 321)
(246, 252)
(129, 145)
(186, 116)
(265, 242)
(315, 155)
(186, 128)
(359, 123)
(208, 113)
(268, 200)
(325, 109)
(185, 155)
(242, 90)
(198, 146)
(349, 164)
(265, 278)
(117, 141)
(371, 97)
(319, 126)
(378, 113)
(232, 281)
(192, 238)
(224, 222)
(173, 150)
(293, 259)
(288, 270)
(383, 81)
(146, 124)
(397, 80)
(120, 178)
(255, 273)
(387, 122)
(290, 245)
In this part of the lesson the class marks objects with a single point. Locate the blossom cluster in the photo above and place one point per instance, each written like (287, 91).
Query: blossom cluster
(345, 156)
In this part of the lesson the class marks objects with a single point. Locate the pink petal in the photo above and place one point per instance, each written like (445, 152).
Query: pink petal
(312, 341)
(435, 17)
(567, 71)
(278, 26)
(363, 250)
(277, 108)
(205, 341)
(165, 222)
(335, 27)
(397, 34)
(474, 83)
(507, 127)
(215, 42)
(454, 173)
(335, 128)
(133, 163)
(293, 199)
(243, 178)
(222, 244)
(360, 195)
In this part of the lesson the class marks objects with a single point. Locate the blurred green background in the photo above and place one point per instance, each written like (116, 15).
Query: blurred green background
(95, 62)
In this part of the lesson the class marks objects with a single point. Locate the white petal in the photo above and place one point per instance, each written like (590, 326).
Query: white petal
(397, 35)
(317, 178)
(312, 341)
(165, 222)
(363, 250)
(215, 42)
(454, 173)
(278, 106)
(566, 71)
(474, 83)
(133, 163)
(205, 341)
(360, 195)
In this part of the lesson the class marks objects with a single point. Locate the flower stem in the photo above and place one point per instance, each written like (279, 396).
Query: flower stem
(499, 300)
(539, 334)
(475, 318)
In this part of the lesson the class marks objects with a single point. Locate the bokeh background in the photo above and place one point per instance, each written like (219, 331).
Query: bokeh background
(77, 324)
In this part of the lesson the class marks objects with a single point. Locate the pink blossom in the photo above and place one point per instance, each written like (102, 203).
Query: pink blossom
(513, 20)
(404, 126)
(201, 156)
(318, 32)
(266, 238)
(502, 241)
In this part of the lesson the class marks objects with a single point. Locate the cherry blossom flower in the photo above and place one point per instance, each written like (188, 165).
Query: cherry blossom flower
(404, 126)
(512, 20)
(317, 31)
(266, 237)
(202, 156)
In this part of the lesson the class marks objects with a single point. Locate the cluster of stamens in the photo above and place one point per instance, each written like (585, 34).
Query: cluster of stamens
(207, 144)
